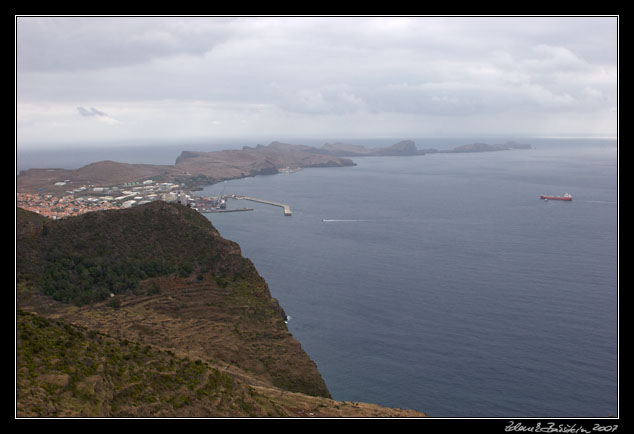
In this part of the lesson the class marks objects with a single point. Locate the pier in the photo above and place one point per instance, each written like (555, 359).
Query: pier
(287, 209)
(212, 211)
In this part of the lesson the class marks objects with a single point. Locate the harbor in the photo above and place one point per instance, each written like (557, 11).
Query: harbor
(212, 211)
(287, 209)
(218, 204)
(79, 199)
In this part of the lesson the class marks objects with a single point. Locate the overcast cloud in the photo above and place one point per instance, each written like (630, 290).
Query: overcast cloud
(97, 78)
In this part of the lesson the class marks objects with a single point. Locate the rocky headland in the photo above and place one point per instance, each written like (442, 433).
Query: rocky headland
(149, 312)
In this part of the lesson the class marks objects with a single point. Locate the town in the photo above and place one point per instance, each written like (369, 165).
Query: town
(88, 198)
(85, 199)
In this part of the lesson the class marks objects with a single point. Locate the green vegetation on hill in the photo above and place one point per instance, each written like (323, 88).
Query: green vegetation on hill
(167, 271)
(193, 330)
(65, 370)
(82, 260)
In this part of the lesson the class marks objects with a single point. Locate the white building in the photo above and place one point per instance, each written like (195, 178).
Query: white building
(170, 197)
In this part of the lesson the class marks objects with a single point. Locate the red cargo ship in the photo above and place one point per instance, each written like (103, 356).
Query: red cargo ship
(564, 197)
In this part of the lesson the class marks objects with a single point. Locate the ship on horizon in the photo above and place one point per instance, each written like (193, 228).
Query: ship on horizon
(566, 196)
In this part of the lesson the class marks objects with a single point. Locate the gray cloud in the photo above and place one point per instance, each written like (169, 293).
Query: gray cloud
(89, 43)
(90, 112)
(245, 74)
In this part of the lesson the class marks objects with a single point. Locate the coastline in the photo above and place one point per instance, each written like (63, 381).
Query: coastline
(108, 184)
(194, 170)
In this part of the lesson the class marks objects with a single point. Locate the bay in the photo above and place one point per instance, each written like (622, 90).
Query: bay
(438, 282)
(442, 283)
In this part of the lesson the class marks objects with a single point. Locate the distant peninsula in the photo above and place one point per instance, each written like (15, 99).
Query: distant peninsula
(485, 147)
(194, 169)
(408, 148)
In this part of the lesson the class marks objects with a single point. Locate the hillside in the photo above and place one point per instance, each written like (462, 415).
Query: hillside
(196, 330)
(101, 173)
(251, 161)
(65, 370)
(69, 371)
(191, 169)
(84, 259)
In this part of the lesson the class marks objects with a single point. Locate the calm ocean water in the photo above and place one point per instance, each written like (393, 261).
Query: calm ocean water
(441, 282)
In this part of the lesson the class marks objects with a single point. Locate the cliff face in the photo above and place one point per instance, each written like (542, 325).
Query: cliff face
(161, 274)
(149, 312)
(66, 370)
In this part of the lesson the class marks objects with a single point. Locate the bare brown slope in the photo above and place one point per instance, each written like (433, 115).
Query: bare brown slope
(192, 169)
(66, 370)
(100, 173)
(223, 310)
(253, 161)
(221, 314)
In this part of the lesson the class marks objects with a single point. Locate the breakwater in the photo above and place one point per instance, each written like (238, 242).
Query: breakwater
(287, 209)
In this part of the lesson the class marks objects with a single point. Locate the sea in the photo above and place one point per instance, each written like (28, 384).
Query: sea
(441, 282)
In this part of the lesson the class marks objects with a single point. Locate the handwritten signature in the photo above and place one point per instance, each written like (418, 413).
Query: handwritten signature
(552, 427)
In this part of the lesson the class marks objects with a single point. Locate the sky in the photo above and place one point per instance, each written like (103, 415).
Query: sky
(79, 80)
